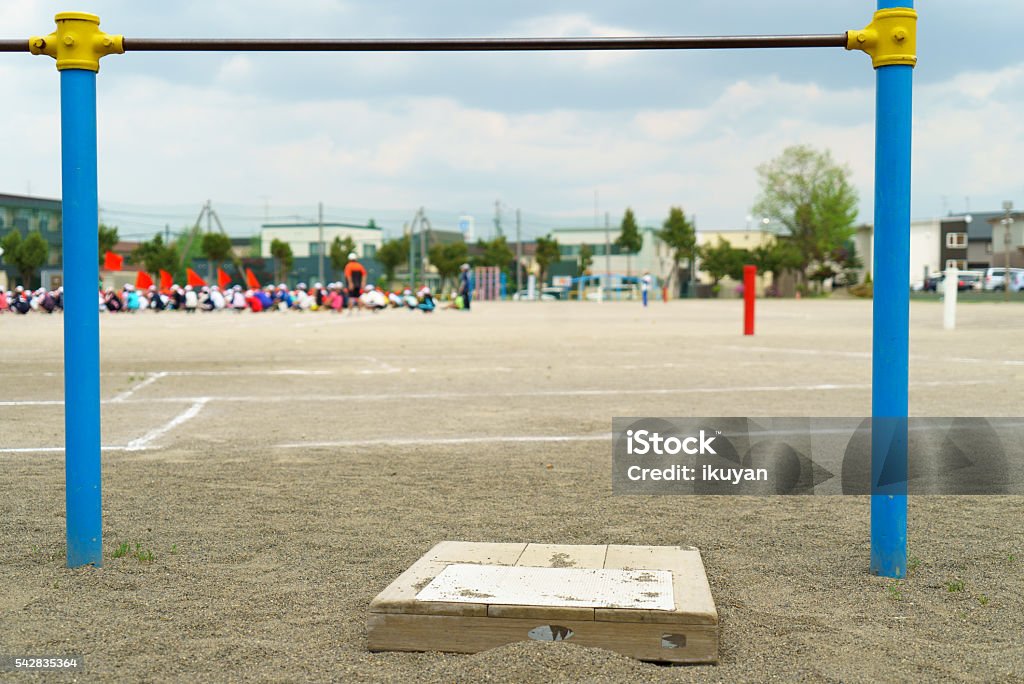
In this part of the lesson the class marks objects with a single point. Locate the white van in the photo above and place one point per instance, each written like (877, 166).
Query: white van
(994, 278)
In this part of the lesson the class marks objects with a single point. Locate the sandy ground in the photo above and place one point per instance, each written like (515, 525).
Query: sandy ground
(286, 468)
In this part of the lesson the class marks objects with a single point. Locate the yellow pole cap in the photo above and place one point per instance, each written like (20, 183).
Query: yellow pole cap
(77, 43)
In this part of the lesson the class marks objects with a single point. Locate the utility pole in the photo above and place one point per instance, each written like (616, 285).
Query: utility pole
(423, 245)
(412, 263)
(320, 241)
(519, 252)
(497, 218)
(692, 290)
(607, 254)
(1007, 225)
(209, 229)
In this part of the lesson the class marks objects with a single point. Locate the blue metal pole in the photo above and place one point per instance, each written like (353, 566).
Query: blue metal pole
(81, 317)
(890, 345)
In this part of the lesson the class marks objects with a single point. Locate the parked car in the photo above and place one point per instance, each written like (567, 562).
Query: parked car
(995, 277)
(966, 280)
(524, 295)
(931, 283)
(969, 280)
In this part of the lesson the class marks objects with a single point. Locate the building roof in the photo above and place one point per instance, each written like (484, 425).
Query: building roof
(615, 230)
(29, 202)
(325, 224)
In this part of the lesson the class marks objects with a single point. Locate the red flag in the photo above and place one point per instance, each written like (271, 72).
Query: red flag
(250, 280)
(193, 278)
(112, 262)
(143, 281)
(223, 279)
(166, 280)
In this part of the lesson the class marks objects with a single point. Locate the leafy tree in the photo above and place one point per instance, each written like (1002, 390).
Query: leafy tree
(391, 255)
(586, 258)
(811, 195)
(848, 262)
(496, 252)
(548, 252)
(340, 249)
(722, 259)
(216, 247)
(447, 259)
(155, 255)
(107, 239)
(630, 240)
(282, 253)
(25, 255)
(680, 237)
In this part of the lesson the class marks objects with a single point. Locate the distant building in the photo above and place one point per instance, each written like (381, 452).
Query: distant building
(26, 214)
(304, 238)
(571, 240)
(748, 238)
(998, 232)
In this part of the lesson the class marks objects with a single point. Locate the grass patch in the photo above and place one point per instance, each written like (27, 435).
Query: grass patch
(955, 586)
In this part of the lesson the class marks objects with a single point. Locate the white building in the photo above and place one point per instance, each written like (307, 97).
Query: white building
(304, 238)
(651, 256)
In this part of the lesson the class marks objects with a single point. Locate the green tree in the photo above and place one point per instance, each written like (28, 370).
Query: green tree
(496, 252)
(630, 240)
(811, 195)
(391, 255)
(340, 249)
(448, 258)
(107, 239)
(156, 256)
(548, 252)
(283, 258)
(680, 237)
(586, 258)
(25, 255)
(216, 247)
(848, 262)
(722, 259)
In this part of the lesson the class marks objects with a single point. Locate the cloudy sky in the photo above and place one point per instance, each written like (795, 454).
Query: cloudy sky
(382, 134)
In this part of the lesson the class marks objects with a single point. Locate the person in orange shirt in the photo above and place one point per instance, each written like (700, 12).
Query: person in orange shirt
(355, 278)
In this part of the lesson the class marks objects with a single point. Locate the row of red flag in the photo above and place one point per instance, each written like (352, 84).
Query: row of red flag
(143, 281)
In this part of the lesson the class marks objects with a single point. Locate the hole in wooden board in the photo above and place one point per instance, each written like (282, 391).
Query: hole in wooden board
(673, 640)
(550, 633)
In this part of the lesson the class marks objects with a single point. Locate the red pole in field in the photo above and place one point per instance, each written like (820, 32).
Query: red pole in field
(749, 273)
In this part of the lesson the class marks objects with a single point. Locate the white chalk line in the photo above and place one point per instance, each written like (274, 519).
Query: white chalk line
(145, 383)
(183, 417)
(415, 441)
(535, 393)
(867, 355)
(60, 450)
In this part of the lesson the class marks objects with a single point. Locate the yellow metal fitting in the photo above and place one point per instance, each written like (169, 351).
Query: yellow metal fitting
(890, 38)
(77, 43)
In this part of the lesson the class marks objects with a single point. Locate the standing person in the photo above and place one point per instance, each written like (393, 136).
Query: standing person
(465, 286)
(355, 277)
(645, 285)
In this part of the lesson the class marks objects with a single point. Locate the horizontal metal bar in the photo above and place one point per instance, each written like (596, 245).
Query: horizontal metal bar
(14, 45)
(481, 44)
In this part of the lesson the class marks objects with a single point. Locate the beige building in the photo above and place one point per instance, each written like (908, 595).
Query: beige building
(304, 238)
(739, 239)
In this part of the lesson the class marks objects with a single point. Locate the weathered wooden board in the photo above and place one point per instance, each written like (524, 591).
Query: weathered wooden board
(686, 634)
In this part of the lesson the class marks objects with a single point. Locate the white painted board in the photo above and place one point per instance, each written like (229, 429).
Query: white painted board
(527, 586)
